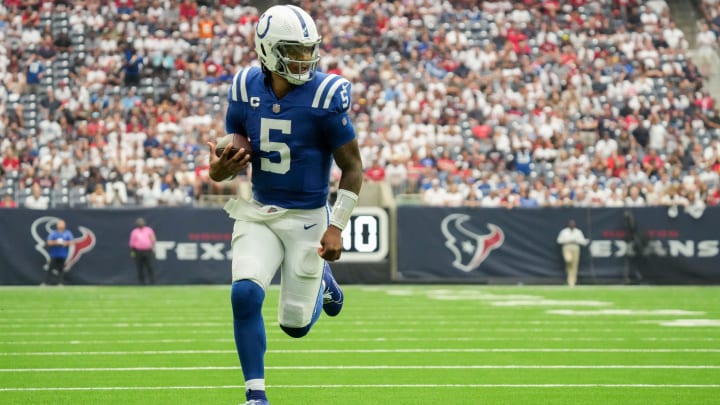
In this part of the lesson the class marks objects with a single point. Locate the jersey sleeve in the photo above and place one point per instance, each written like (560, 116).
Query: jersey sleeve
(333, 94)
(237, 102)
(336, 102)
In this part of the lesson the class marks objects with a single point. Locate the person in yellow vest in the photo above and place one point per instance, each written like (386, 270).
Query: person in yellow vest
(571, 238)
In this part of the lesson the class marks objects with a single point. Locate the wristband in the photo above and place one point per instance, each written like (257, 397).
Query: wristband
(344, 205)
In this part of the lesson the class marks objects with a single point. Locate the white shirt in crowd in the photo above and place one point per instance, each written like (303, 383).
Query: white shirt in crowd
(605, 147)
(434, 195)
(639, 201)
(116, 193)
(658, 134)
(37, 203)
(673, 36)
(396, 174)
(491, 201)
(454, 198)
(572, 236)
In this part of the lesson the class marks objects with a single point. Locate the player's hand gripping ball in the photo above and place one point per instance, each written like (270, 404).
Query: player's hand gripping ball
(235, 142)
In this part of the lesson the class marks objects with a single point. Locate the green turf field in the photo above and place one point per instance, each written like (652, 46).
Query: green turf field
(391, 345)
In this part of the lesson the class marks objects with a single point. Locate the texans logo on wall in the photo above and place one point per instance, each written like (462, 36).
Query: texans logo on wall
(43, 226)
(469, 247)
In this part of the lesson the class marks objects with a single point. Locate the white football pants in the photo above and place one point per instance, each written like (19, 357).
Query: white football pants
(266, 238)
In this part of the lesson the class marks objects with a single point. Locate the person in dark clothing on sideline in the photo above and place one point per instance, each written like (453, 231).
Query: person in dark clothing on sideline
(59, 242)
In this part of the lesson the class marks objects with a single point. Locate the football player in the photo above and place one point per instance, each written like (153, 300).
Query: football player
(296, 121)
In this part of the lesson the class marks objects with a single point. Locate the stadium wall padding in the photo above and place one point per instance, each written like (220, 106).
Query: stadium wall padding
(519, 245)
(434, 245)
(193, 247)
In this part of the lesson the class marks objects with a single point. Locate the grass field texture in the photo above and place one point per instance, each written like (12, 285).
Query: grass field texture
(390, 345)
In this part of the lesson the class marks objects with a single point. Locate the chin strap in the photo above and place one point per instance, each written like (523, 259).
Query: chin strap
(343, 208)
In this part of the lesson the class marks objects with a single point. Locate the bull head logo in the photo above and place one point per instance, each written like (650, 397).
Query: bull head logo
(43, 226)
(470, 249)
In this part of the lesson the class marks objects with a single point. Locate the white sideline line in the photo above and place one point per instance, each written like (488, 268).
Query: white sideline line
(201, 387)
(439, 367)
(313, 351)
(211, 316)
(378, 339)
(275, 330)
(223, 324)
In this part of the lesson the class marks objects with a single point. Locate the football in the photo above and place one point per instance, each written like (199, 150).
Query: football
(235, 142)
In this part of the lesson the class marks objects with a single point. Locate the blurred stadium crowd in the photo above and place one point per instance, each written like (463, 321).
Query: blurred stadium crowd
(493, 103)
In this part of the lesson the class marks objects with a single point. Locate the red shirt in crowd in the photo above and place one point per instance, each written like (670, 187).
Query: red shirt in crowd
(654, 160)
(188, 9)
(11, 163)
(202, 172)
(617, 165)
(248, 19)
(706, 103)
(447, 164)
(518, 41)
(30, 18)
(8, 204)
(714, 198)
(125, 4)
(375, 173)
(95, 127)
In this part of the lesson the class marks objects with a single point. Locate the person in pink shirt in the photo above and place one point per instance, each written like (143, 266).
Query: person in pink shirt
(142, 244)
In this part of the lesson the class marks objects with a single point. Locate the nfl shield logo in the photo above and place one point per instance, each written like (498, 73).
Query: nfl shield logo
(276, 108)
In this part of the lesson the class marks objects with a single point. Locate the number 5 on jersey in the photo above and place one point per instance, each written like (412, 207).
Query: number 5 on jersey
(266, 145)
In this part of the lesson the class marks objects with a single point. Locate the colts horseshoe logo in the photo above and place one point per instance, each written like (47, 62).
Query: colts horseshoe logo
(267, 27)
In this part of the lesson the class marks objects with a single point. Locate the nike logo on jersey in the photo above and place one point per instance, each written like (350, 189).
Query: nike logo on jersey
(308, 226)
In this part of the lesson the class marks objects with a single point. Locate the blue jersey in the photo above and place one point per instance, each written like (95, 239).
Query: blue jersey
(292, 138)
(58, 251)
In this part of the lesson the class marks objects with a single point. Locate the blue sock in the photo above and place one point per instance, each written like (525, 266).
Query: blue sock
(300, 332)
(253, 394)
(247, 298)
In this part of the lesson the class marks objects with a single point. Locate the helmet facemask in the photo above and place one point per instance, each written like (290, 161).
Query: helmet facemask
(296, 62)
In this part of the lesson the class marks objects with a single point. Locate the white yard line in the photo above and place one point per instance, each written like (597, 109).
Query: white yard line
(216, 387)
(316, 351)
(380, 367)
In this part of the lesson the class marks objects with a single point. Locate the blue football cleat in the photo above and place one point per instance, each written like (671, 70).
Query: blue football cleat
(256, 398)
(332, 293)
